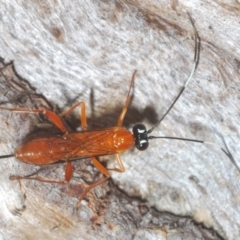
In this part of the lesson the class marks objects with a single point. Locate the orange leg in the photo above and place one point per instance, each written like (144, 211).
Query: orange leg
(120, 122)
(53, 117)
(120, 163)
(103, 170)
(83, 117)
(124, 110)
(68, 176)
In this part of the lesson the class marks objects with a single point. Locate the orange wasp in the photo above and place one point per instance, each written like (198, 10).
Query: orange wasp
(69, 146)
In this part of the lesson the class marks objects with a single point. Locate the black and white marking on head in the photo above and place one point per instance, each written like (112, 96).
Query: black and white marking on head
(141, 136)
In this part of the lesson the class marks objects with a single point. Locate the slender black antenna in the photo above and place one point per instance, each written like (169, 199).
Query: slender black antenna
(196, 60)
(7, 156)
(177, 138)
(226, 151)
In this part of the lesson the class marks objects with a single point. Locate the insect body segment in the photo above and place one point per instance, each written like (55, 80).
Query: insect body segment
(72, 145)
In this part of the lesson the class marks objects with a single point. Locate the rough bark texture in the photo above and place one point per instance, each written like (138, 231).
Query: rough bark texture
(69, 51)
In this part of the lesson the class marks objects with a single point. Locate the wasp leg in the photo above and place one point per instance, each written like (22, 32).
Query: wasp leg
(103, 170)
(83, 118)
(53, 117)
(68, 176)
(120, 163)
(128, 98)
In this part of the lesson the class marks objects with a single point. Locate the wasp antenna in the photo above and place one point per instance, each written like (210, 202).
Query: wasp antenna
(226, 151)
(177, 138)
(194, 67)
(7, 156)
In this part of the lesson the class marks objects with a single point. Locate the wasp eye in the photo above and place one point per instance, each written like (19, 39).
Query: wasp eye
(141, 137)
